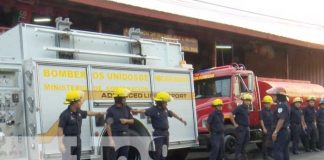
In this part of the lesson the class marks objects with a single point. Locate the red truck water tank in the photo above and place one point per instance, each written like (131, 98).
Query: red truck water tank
(294, 88)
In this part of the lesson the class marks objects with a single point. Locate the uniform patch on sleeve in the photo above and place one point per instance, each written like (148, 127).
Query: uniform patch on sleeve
(279, 110)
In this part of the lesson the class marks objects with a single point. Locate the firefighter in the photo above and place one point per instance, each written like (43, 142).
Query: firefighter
(159, 116)
(320, 124)
(241, 124)
(215, 125)
(118, 119)
(70, 123)
(280, 135)
(310, 118)
(266, 120)
(297, 123)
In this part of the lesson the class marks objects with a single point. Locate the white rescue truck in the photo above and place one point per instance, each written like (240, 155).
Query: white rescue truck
(39, 64)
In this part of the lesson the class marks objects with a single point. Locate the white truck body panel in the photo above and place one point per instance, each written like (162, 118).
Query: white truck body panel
(47, 78)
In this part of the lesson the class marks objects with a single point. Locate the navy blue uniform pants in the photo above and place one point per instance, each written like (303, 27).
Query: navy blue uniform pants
(73, 148)
(320, 127)
(309, 139)
(296, 130)
(267, 142)
(161, 141)
(217, 146)
(280, 146)
(243, 137)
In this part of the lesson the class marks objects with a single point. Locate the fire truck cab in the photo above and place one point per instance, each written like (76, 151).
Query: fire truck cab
(227, 83)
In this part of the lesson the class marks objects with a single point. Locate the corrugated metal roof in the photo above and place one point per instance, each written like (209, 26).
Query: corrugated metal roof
(194, 13)
(194, 9)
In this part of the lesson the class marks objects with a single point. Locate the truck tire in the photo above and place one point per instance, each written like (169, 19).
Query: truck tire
(230, 141)
(133, 152)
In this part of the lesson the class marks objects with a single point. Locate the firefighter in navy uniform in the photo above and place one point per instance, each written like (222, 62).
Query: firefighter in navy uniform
(310, 138)
(159, 116)
(280, 135)
(215, 125)
(320, 124)
(240, 120)
(70, 123)
(118, 119)
(297, 123)
(266, 120)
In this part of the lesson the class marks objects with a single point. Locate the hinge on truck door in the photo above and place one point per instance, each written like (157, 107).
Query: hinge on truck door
(136, 47)
(64, 40)
(29, 77)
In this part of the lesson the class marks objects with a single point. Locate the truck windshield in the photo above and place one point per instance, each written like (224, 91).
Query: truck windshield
(219, 87)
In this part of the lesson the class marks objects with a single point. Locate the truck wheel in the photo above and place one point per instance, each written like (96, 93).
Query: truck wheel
(133, 152)
(230, 141)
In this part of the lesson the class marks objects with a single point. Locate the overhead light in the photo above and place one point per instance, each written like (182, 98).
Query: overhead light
(224, 47)
(42, 19)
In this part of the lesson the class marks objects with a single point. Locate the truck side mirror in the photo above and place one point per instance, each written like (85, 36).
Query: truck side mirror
(236, 89)
(251, 82)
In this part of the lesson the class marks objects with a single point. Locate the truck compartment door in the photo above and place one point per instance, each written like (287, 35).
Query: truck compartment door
(179, 86)
(53, 84)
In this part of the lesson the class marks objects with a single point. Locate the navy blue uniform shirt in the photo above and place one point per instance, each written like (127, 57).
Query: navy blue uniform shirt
(242, 115)
(309, 114)
(71, 122)
(282, 112)
(295, 115)
(320, 116)
(159, 118)
(267, 116)
(113, 116)
(216, 122)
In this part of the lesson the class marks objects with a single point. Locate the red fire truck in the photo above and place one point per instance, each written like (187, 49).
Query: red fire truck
(229, 83)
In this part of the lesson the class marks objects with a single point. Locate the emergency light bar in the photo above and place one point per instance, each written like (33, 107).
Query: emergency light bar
(81, 51)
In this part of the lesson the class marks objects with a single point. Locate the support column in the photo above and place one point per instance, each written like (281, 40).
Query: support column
(214, 55)
(287, 65)
(99, 25)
